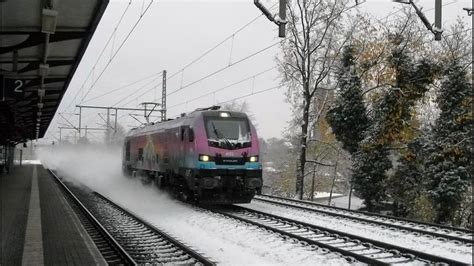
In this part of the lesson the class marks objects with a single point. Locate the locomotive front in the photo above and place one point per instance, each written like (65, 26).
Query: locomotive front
(228, 168)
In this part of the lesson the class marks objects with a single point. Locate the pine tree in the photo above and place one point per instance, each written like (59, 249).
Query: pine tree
(392, 128)
(348, 118)
(369, 175)
(407, 184)
(449, 166)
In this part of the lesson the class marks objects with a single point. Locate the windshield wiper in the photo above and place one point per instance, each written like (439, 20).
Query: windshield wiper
(222, 136)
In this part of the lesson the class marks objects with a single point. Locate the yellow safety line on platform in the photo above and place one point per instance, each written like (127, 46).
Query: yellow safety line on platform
(33, 249)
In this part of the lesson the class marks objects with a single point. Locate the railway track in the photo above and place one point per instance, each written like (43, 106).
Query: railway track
(131, 239)
(350, 246)
(110, 249)
(440, 232)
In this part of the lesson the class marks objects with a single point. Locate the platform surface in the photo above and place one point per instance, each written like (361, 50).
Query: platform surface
(38, 227)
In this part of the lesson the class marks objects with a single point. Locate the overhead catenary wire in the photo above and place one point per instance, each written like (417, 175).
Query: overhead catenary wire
(208, 75)
(134, 98)
(220, 70)
(241, 60)
(223, 88)
(246, 95)
(112, 36)
(114, 54)
(135, 91)
(124, 87)
(197, 59)
(232, 36)
(118, 50)
(224, 68)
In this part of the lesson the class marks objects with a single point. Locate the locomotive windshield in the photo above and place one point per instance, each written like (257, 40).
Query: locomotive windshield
(228, 133)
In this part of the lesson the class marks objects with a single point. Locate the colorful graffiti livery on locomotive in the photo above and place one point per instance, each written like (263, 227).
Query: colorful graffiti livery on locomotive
(209, 155)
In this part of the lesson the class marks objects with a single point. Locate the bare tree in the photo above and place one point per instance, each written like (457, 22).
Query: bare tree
(309, 56)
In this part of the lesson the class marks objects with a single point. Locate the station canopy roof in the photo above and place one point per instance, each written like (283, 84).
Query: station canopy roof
(41, 45)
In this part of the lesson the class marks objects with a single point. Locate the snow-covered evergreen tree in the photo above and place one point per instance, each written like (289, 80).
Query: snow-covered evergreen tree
(369, 175)
(449, 166)
(392, 127)
(407, 185)
(348, 118)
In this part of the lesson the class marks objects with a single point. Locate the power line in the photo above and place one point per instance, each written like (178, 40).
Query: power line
(224, 68)
(225, 87)
(231, 36)
(113, 55)
(127, 97)
(124, 86)
(217, 45)
(246, 95)
(243, 59)
(202, 78)
(118, 50)
(101, 53)
(252, 93)
(220, 43)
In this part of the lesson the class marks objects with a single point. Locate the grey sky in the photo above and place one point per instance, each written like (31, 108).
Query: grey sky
(174, 33)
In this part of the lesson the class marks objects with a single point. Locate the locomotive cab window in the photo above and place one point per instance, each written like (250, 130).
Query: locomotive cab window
(228, 133)
(127, 151)
(190, 134)
(140, 154)
(183, 130)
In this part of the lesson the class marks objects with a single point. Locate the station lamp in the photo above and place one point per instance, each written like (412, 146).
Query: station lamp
(48, 21)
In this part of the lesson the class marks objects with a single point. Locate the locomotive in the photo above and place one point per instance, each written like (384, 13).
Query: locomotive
(209, 156)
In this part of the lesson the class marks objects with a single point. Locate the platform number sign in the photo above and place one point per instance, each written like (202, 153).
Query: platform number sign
(11, 88)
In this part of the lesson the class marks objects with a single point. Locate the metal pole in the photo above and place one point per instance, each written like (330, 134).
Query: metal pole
(163, 97)
(350, 196)
(108, 125)
(60, 134)
(115, 127)
(21, 156)
(80, 114)
(333, 178)
(312, 182)
(438, 16)
(282, 14)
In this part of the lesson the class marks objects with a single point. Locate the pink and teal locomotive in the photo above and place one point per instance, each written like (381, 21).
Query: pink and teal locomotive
(209, 155)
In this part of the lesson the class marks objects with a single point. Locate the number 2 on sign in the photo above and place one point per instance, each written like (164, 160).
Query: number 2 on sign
(18, 84)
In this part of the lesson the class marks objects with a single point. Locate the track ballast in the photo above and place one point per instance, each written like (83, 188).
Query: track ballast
(140, 241)
(351, 246)
(445, 233)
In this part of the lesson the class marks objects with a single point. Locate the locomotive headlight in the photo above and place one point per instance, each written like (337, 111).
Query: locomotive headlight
(204, 158)
(253, 159)
(223, 114)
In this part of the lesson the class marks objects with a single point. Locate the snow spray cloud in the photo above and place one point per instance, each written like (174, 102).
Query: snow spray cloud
(99, 168)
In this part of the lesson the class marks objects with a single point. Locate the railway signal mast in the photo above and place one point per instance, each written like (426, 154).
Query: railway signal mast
(437, 29)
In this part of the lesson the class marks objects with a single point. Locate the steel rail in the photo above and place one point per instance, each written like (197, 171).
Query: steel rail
(186, 249)
(112, 243)
(386, 247)
(468, 239)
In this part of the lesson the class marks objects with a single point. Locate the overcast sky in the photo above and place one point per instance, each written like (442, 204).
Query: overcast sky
(172, 34)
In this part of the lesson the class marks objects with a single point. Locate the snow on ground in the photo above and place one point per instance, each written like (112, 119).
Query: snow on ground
(325, 195)
(17, 162)
(445, 249)
(227, 241)
(343, 202)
